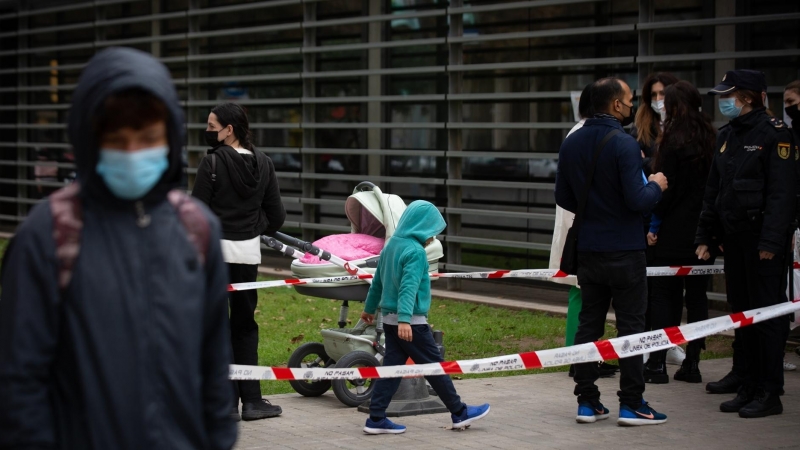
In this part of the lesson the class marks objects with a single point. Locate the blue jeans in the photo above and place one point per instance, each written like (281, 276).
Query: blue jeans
(422, 350)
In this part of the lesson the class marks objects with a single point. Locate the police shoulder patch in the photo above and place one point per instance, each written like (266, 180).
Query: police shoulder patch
(777, 123)
(784, 150)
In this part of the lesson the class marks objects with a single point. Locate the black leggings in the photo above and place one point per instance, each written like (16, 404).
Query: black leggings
(666, 300)
(244, 329)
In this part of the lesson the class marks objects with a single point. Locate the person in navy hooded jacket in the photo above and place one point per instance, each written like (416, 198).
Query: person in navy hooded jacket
(114, 313)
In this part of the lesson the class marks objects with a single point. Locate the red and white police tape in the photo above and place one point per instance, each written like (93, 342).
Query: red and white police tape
(544, 274)
(620, 347)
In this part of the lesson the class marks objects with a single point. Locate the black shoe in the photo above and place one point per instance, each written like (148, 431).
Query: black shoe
(260, 410)
(607, 366)
(729, 384)
(744, 396)
(764, 404)
(235, 414)
(655, 373)
(689, 372)
(608, 370)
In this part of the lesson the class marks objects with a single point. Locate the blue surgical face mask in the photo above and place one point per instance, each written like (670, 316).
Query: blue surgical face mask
(131, 175)
(728, 108)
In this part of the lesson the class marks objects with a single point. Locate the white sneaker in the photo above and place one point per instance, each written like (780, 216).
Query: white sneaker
(676, 355)
(788, 367)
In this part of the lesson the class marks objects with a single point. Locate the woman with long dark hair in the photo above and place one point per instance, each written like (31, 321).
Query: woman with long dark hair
(685, 151)
(650, 116)
(238, 183)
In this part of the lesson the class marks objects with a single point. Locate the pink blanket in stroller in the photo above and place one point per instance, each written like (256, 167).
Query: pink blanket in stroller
(349, 247)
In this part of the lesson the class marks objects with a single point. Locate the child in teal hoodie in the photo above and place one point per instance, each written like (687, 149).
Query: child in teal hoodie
(402, 289)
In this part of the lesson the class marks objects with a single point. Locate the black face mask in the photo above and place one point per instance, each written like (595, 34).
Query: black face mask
(211, 138)
(794, 114)
(629, 120)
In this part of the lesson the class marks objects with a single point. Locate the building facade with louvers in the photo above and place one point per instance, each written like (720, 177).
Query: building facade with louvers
(462, 103)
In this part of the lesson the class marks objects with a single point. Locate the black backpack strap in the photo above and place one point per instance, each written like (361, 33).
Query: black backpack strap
(585, 195)
(213, 167)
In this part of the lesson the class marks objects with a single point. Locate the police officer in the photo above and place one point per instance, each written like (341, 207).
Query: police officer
(749, 208)
(730, 383)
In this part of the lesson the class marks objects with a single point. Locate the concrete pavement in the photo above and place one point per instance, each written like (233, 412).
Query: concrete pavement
(538, 411)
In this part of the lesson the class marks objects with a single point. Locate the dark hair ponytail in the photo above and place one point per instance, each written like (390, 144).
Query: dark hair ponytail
(234, 115)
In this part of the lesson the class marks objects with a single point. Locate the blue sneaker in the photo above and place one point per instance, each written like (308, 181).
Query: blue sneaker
(591, 412)
(645, 415)
(384, 426)
(469, 415)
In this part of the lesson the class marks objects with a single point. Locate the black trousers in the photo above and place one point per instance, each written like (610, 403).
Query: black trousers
(666, 300)
(754, 283)
(244, 330)
(616, 279)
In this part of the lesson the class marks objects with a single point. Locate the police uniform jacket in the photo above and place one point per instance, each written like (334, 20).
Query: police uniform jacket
(751, 186)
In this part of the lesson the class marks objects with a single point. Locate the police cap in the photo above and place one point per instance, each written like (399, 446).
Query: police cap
(752, 80)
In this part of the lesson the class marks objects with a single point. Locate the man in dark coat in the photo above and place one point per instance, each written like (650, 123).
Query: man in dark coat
(611, 261)
(119, 337)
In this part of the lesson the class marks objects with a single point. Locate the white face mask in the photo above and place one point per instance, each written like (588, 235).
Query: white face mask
(658, 106)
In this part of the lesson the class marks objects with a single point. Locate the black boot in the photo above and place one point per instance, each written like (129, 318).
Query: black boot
(744, 396)
(655, 369)
(729, 384)
(764, 404)
(690, 371)
(260, 410)
(235, 414)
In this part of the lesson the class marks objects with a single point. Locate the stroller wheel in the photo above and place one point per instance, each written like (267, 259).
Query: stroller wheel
(356, 391)
(309, 355)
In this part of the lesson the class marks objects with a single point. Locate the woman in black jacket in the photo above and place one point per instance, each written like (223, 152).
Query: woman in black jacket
(685, 150)
(238, 183)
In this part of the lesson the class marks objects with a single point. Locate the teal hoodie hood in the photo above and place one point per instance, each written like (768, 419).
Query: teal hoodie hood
(401, 284)
(420, 221)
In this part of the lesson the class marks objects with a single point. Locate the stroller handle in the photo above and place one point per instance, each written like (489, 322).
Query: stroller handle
(274, 244)
(363, 187)
(304, 246)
